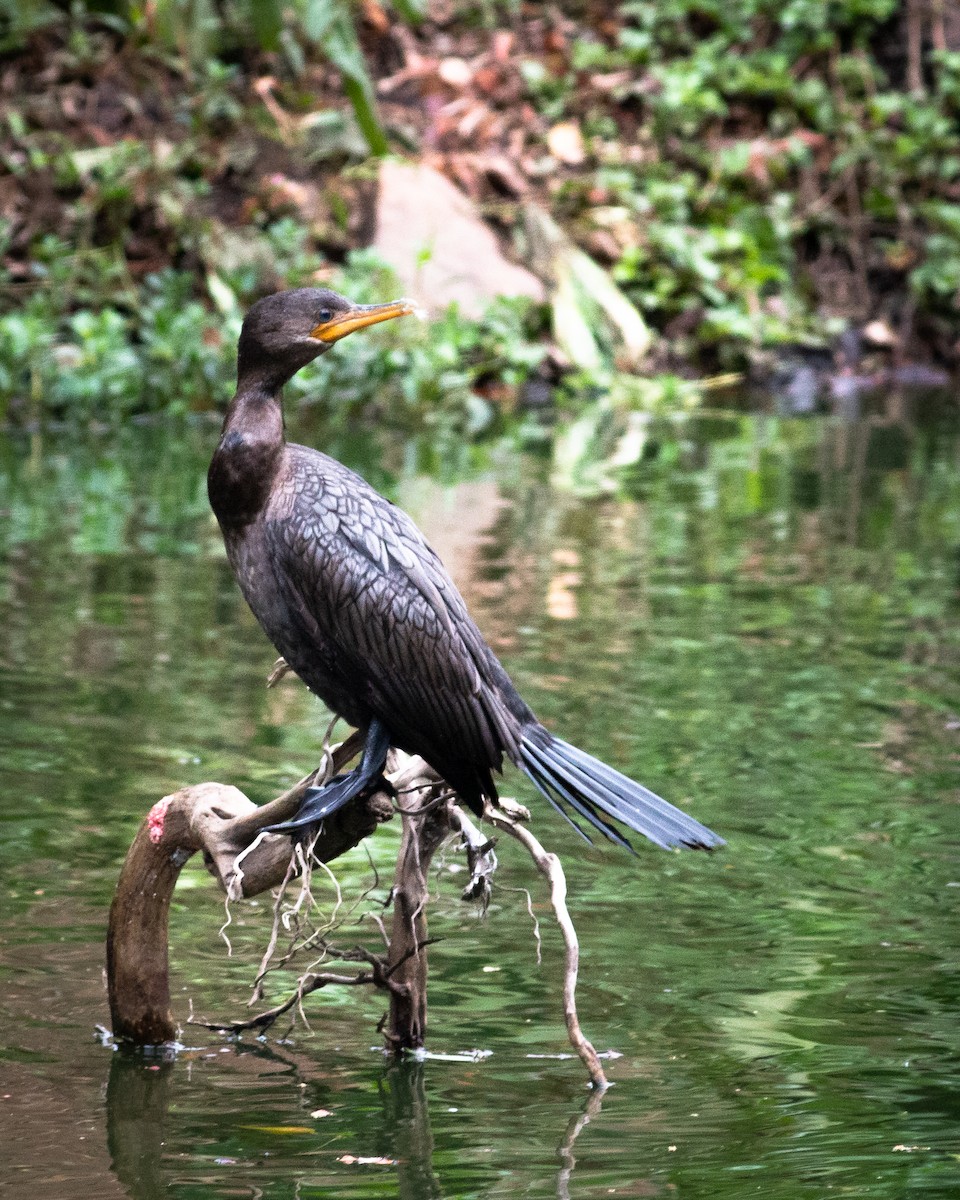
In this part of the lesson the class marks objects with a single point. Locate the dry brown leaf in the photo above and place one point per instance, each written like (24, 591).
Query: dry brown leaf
(503, 41)
(374, 15)
(561, 596)
(499, 167)
(879, 333)
(487, 80)
(471, 122)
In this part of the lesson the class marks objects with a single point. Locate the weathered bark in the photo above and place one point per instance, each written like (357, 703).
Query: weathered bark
(426, 823)
(137, 960)
(223, 823)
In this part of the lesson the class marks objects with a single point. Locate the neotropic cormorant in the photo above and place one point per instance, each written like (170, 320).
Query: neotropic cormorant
(362, 609)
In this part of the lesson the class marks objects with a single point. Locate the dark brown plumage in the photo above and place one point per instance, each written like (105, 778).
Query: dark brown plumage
(362, 609)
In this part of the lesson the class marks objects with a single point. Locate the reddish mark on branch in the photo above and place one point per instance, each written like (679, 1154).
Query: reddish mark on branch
(156, 818)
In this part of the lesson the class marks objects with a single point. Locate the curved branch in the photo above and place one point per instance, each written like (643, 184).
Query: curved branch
(224, 824)
(230, 831)
(551, 869)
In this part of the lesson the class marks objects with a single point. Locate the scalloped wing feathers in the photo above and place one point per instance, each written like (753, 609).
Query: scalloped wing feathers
(384, 622)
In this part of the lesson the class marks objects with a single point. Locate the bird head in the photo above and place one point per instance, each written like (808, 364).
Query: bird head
(283, 332)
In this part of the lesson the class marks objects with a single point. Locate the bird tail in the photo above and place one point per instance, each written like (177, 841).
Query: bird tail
(573, 780)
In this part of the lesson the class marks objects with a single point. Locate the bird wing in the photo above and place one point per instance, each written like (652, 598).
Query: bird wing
(378, 606)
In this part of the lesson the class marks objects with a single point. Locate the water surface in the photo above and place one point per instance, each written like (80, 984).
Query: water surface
(761, 624)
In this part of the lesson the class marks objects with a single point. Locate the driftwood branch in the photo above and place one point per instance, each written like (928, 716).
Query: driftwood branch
(228, 829)
(425, 827)
(225, 825)
(380, 976)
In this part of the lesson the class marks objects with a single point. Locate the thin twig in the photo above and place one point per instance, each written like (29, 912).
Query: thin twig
(274, 936)
(551, 869)
(533, 918)
(308, 984)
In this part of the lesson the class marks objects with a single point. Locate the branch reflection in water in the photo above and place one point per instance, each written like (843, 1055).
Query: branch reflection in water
(144, 1120)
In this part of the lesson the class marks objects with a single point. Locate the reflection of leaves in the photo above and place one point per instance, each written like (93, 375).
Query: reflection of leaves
(761, 1032)
(722, 642)
(146, 490)
(612, 433)
(104, 507)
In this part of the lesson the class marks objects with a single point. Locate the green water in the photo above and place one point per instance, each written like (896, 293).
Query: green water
(762, 626)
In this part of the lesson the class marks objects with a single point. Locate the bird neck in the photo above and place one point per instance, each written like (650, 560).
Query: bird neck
(246, 461)
(255, 412)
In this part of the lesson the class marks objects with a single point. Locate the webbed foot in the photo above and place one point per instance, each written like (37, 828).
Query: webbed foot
(320, 802)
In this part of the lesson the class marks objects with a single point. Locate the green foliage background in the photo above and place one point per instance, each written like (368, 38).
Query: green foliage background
(774, 172)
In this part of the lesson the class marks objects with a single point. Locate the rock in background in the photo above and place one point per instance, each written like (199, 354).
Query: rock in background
(438, 244)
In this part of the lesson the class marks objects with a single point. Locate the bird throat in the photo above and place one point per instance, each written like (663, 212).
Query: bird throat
(246, 461)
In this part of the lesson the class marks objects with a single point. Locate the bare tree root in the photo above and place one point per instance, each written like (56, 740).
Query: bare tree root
(308, 983)
(402, 970)
(379, 976)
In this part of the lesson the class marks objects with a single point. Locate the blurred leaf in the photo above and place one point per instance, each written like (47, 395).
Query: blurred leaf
(223, 297)
(583, 296)
(266, 17)
(412, 11)
(329, 24)
(571, 328)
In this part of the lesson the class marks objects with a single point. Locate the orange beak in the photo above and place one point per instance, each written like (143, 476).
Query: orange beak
(359, 317)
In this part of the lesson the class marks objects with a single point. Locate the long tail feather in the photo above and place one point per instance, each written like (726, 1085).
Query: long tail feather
(595, 792)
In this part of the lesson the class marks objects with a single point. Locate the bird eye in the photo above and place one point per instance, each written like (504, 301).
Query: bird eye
(325, 315)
